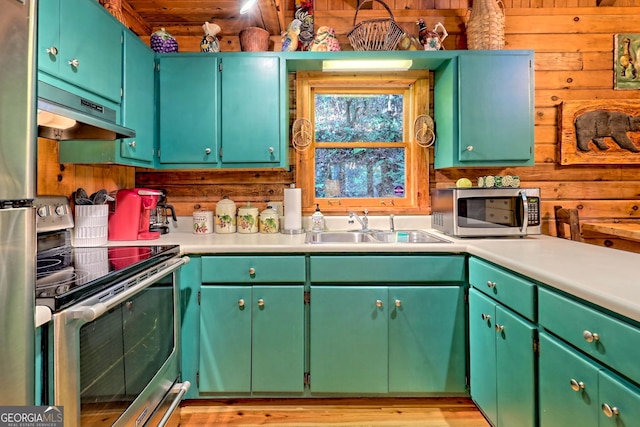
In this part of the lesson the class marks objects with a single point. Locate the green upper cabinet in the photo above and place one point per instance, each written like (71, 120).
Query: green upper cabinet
(80, 43)
(138, 101)
(493, 121)
(188, 100)
(137, 111)
(250, 111)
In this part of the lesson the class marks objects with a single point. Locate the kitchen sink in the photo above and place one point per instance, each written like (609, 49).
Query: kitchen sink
(372, 236)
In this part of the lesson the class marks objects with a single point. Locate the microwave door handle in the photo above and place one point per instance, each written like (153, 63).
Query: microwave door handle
(92, 312)
(525, 212)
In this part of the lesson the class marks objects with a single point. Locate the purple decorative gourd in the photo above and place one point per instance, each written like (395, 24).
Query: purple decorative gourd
(163, 42)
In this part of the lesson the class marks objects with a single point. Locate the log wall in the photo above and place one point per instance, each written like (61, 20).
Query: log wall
(573, 44)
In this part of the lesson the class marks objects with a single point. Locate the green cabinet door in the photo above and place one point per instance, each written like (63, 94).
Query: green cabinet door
(277, 338)
(568, 386)
(502, 362)
(427, 343)
(250, 111)
(188, 109)
(515, 370)
(93, 37)
(138, 101)
(49, 36)
(225, 339)
(619, 402)
(348, 339)
(496, 108)
(482, 354)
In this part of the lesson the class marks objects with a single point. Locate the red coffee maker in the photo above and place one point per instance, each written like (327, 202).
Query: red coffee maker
(130, 218)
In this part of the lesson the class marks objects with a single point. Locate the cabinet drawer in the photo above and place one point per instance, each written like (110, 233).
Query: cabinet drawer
(510, 289)
(393, 268)
(617, 342)
(253, 269)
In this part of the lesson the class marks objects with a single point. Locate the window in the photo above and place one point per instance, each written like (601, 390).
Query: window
(362, 155)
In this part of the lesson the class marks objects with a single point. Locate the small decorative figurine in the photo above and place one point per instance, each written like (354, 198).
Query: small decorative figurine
(431, 40)
(325, 40)
(210, 41)
(163, 42)
(290, 36)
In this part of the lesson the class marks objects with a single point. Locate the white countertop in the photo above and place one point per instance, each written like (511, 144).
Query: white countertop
(604, 276)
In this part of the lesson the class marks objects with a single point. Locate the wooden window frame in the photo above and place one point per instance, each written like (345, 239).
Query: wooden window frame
(415, 85)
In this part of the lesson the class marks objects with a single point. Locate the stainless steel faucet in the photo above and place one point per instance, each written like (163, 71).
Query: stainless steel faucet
(364, 221)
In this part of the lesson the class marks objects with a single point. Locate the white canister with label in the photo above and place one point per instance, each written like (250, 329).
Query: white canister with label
(247, 219)
(269, 221)
(225, 216)
(203, 222)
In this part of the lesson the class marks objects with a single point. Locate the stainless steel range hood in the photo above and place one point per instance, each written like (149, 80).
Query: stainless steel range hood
(63, 115)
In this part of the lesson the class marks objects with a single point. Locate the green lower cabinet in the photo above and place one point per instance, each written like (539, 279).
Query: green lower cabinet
(502, 363)
(576, 391)
(251, 339)
(387, 339)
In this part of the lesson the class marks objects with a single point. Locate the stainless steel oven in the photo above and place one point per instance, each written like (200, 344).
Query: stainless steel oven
(115, 329)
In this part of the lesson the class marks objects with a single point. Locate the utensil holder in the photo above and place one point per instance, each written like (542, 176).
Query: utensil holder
(91, 225)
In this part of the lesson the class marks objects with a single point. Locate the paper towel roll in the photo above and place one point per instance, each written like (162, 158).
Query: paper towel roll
(292, 209)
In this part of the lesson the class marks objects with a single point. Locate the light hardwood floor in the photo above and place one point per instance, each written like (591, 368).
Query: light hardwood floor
(352, 412)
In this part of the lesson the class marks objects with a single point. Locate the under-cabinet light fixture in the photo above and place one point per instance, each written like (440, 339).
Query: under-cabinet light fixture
(367, 65)
(247, 5)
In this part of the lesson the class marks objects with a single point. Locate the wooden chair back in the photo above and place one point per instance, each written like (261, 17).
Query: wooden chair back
(565, 216)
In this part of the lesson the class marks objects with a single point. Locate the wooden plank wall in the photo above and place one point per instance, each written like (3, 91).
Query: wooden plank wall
(573, 44)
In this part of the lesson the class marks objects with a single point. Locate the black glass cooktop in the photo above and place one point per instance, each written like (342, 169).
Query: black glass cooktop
(68, 275)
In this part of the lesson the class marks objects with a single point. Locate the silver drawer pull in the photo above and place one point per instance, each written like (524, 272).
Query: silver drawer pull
(491, 284)
(590, 336)
(576, 385)
(260, 302)
(378, 303)
(398, 303)
(499, 328)
(610, 411)
(240, 303)
(486, 317)
(252, 271)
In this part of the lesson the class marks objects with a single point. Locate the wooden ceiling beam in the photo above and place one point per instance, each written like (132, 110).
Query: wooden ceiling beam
(135, 22)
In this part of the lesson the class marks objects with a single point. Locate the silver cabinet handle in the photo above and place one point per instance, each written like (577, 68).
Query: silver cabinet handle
(576, 385)
(610, 411)
(491, 284)
(469, 147)
(590, 336)
(398, 303)
(499, 328)
(378, 303)
(240, 302)
(252, 271)
(207, 151)
(260, 302)
(486, 316)
(74, 63)
(132, 144)
(52, 50)
(271, 149)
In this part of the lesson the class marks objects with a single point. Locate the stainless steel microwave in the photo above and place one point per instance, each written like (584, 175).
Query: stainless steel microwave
(486, 212)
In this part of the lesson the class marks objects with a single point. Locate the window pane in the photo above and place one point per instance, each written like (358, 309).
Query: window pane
(360, 172)
(358, 118)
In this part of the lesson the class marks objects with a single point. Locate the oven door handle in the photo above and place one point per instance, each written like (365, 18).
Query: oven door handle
(181, 389)
(92, 312)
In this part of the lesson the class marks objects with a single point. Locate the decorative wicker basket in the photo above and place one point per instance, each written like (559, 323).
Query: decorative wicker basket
(254, 39)
(485, 28)
(375, 34)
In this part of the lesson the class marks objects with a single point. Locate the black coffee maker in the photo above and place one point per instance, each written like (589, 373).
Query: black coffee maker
(159, 217)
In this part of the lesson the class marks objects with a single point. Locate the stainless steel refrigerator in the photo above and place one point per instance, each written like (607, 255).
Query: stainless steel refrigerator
(17, 190)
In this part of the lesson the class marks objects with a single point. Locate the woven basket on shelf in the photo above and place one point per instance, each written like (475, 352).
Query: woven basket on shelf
(485, 28)
(254, 39)
(375, 34)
